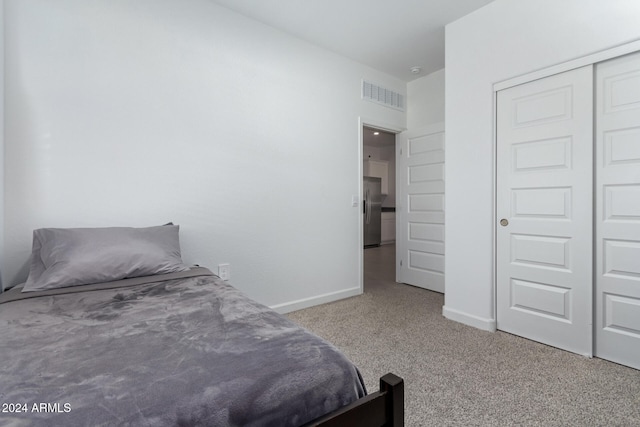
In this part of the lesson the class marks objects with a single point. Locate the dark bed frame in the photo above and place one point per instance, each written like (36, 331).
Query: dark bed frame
(384, 408)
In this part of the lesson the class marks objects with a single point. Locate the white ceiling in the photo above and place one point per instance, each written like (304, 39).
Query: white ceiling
(389, 35)
(377, 138)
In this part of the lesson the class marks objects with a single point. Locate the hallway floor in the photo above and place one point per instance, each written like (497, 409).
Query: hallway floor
(379, 266)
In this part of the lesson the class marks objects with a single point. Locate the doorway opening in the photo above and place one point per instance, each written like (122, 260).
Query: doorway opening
(378, 203)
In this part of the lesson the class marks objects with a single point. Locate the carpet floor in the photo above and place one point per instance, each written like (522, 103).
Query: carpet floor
(456, 375)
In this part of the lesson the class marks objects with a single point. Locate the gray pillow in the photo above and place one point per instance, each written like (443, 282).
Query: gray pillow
(64, 257)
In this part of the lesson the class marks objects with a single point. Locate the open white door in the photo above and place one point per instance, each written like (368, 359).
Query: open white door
(420, 207)
(544, 208)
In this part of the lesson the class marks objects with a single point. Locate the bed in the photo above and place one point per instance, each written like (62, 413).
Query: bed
(176, 347)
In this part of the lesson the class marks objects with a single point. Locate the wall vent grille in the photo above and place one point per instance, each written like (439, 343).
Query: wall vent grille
(375, 93)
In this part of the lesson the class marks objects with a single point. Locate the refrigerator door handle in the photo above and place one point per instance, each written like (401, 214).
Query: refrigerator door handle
(364, 205)
(368, 206)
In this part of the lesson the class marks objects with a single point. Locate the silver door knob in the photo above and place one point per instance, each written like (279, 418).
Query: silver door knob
(504, 222)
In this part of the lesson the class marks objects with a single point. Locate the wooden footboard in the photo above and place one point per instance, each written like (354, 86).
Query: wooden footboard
(384, 408)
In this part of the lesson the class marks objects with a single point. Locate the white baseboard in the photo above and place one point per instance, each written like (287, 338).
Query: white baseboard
(288, 307)
(469, 319)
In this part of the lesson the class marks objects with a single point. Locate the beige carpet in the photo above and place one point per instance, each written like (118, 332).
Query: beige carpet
(458, 375)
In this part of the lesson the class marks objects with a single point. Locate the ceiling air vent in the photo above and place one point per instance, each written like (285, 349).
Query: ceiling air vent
(374, 93)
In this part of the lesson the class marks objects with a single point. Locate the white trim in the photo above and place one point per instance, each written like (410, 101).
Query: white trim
(570, 65)
(288, 307)
(469, 319)
(494, 213)
(377, 124)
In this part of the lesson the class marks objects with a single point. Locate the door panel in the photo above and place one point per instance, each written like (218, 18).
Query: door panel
(544, 191)
(617, 295)
(420, 208)
(540, 299)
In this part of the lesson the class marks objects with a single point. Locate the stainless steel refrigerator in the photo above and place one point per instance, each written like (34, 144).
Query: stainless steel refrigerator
(372, 209)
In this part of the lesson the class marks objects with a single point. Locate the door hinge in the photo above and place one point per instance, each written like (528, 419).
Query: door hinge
(400, 263)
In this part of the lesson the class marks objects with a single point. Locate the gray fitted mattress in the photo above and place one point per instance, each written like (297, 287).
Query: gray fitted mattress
(174, 351)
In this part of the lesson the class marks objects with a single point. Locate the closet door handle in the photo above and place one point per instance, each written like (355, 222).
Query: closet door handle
(504, 222)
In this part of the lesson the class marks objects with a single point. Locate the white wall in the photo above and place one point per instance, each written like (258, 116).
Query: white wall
(425, 100)
(504, 39)
(141, 112)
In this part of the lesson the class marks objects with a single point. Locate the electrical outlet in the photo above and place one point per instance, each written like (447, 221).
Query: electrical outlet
(224, 271)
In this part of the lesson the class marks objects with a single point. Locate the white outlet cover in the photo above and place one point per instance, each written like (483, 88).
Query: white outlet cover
(224, 271)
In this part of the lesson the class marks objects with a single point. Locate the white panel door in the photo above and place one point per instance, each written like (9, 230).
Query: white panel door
(420, 208)
(617, 299)
(544, 209)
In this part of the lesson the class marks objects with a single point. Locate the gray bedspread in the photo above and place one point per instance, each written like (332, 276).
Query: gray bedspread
(187, 351)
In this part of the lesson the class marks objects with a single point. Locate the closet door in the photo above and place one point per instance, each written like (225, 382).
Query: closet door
(544, 210)
(617, 296)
